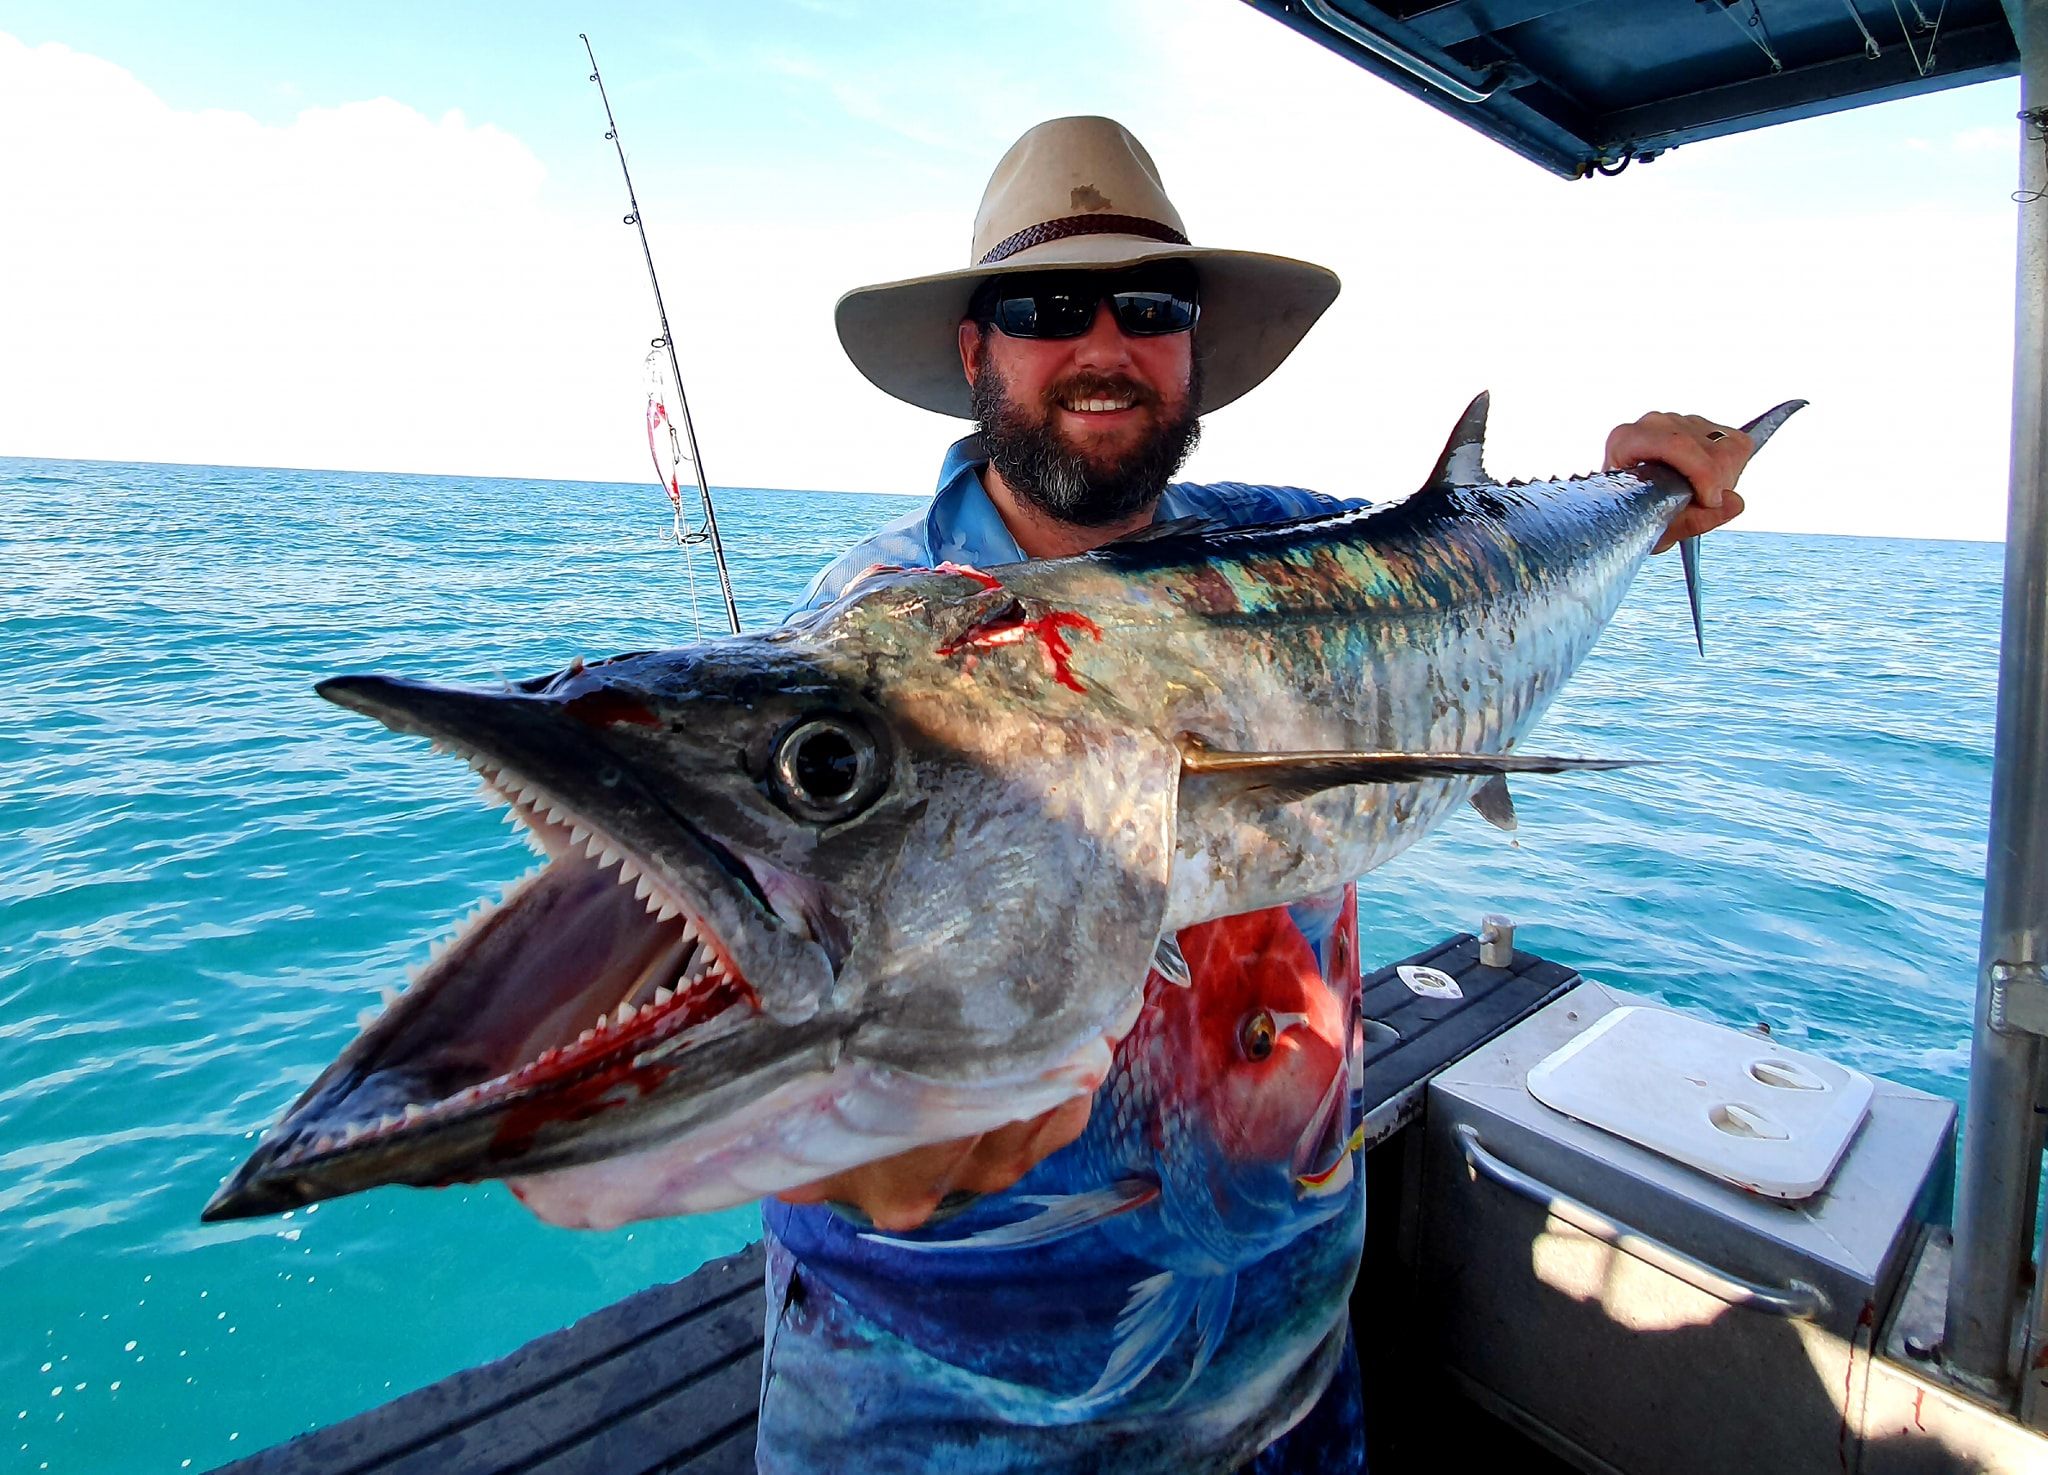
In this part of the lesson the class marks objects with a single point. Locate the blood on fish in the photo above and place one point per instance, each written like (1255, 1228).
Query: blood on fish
(966, 571)
(1011, 627)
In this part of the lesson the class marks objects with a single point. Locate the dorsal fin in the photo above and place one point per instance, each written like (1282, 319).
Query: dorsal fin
(1462, 463)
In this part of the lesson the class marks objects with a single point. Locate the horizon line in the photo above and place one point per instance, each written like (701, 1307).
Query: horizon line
(799, 491)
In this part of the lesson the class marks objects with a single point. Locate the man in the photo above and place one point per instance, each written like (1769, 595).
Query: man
(1023, 1300)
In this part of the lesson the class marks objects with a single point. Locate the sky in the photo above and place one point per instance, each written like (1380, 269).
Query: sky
(388, 236)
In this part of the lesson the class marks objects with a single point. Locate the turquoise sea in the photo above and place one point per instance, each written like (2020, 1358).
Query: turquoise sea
(206, 874)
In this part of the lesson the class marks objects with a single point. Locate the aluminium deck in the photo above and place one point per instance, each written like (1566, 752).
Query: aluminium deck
(667, 1380)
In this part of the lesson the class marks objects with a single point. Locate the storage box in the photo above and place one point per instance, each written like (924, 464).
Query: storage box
(1696, 1327)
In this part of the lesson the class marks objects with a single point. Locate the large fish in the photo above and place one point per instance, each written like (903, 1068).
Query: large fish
(895, 874)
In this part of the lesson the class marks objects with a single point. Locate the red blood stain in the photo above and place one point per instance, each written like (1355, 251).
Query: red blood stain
(1010, 627)
(1918, 1399)
(987, 581)
(604, 707)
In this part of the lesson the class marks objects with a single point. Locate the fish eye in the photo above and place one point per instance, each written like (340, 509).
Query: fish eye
(1257, 1034)
(826, 769)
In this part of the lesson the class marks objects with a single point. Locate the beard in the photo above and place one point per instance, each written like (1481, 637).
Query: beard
(1070, 485)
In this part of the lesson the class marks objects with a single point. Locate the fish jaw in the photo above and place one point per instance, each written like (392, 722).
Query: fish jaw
(609, 1000)
(802, 1131)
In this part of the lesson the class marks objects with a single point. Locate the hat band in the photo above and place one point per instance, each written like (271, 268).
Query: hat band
(1081, 225)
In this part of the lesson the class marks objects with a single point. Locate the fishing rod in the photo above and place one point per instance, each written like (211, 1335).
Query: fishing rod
(667, 341)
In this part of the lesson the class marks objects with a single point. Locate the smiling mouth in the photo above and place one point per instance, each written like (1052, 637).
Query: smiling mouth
(1097, 404)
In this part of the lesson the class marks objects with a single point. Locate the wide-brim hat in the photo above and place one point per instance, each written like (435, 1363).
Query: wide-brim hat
(1082, 193)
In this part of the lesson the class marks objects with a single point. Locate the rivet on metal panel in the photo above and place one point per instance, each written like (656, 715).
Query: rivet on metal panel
(1496, 941)
(2019, 998)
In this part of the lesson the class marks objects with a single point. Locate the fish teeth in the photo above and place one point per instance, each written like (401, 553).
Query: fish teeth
(663, 996)
(690, 933)
(667, 910)
(578, 834)
(413, 1112)
(623, 1013)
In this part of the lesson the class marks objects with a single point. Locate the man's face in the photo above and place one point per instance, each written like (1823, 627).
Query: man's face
(1087, 429)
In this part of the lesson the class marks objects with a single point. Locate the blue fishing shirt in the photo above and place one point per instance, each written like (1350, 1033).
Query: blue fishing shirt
(1179, 1299)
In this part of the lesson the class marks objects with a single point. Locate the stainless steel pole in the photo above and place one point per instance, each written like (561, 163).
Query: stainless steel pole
(2002, 1146)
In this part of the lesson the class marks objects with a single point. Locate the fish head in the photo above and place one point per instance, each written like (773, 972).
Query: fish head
(808, 899)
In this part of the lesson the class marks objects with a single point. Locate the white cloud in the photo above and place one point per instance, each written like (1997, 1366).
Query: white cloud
(363, 287)
(369, 287)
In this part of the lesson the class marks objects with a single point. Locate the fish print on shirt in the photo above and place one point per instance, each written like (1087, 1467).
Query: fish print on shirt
(1225, 1130)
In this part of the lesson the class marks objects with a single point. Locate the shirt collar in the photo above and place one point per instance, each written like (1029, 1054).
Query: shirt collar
(963, 525)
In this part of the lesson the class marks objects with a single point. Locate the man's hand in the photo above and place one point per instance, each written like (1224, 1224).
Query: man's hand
(900, 1192)
(1709, 456)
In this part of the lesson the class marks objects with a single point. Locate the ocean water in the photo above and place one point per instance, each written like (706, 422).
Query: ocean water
(206, 873)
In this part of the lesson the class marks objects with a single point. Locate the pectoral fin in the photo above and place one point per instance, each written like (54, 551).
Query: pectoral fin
(1495, 804)
(1058, 1216)
(1296, 775)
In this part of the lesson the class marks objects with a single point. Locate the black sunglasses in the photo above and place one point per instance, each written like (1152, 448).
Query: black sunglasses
(1148, 301)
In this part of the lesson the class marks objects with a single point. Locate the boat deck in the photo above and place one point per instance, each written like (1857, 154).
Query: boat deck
(667, 1380)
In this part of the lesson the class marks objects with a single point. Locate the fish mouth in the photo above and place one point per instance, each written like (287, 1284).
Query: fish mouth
(1323, 1155)
(539, 1032)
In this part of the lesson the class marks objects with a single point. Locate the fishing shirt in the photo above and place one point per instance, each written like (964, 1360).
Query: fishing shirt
(1168, 1293)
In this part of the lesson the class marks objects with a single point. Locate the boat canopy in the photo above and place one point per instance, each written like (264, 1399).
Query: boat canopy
(1586, 86)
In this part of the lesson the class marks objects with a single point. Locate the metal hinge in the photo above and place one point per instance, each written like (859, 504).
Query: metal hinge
(2019, 998)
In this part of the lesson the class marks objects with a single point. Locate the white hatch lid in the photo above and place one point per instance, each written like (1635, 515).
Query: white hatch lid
(1744, 1109)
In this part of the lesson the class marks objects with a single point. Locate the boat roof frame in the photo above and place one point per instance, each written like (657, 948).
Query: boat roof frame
(1583, 87)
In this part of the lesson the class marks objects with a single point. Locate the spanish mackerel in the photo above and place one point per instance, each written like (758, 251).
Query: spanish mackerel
(895, 873)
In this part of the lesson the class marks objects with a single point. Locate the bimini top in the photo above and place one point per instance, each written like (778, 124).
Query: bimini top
(1584, 86)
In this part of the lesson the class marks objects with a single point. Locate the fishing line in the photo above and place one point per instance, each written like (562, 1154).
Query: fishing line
(659, 423)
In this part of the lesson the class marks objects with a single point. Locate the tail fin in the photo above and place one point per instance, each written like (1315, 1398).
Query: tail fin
(1764, 426)
(1759, 430)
